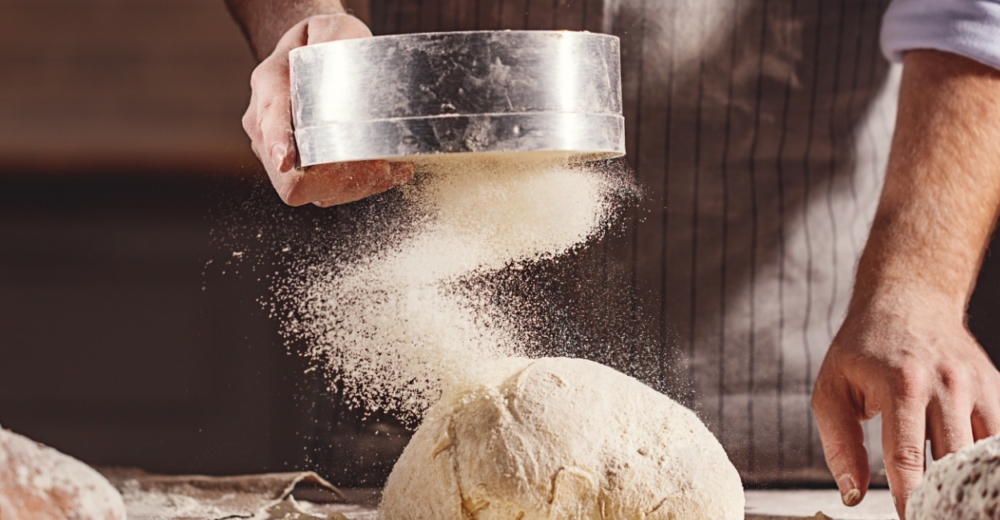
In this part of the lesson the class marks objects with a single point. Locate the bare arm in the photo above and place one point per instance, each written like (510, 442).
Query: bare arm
(942, 189)
(273, 30)
(904, 351)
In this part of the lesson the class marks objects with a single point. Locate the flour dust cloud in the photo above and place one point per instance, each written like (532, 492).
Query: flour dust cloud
(408, 316)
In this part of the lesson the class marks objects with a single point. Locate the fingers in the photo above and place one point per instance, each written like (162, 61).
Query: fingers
(949, 426)
(355, 187)
(250, 125)
(843, 439)
(272, 88)
(271, 104)
(336, 183)
(340, 183)
(986, 412)
(268, 122)
(904, 430)
(268, 119)
(401, 172)
(986, 420)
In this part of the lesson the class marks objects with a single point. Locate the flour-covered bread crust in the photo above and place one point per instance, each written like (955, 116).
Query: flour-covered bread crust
(961, 486)
(39, 483)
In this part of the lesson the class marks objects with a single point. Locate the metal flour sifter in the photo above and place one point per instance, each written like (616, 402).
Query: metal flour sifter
(427, 96)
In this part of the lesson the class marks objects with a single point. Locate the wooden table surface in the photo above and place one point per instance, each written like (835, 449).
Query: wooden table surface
(820, 504)
(270, 497)
(785, 504)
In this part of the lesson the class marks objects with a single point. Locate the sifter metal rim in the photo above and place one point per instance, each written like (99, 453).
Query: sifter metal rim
(415, 96)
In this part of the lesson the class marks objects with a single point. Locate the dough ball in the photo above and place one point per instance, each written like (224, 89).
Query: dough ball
(960, 486)
(39, 483)
(563, 439)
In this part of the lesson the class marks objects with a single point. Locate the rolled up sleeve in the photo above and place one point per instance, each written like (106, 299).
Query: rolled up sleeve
(970, 28)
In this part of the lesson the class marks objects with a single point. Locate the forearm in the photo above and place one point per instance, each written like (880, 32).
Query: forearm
(264, 21)
(942, 186)
(904, 351)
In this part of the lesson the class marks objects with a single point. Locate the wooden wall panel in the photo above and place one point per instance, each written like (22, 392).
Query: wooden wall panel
(121, 344)
(122, 85)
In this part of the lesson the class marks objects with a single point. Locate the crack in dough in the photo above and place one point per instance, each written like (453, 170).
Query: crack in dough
(562, 439)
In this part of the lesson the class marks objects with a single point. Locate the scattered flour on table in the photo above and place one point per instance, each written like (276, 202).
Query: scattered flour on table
(161, 505)
(406, 321)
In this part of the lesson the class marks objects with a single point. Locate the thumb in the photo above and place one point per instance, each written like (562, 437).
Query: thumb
(843, 439)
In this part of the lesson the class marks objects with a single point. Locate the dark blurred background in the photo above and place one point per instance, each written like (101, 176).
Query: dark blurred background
(128, 334)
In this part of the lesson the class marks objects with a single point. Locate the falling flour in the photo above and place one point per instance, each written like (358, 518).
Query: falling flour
(410, 319)
(413, 324)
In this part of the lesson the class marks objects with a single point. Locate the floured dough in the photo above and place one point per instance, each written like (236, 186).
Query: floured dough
(39, 483)
(960, 486)
(563, 439)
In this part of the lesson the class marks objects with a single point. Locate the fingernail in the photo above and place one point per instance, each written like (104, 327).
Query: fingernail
(849, 491)
(278, 152)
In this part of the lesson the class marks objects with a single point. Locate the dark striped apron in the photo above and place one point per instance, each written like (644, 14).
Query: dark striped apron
(759, 130)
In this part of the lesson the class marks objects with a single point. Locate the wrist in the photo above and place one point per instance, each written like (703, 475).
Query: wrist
(904, 262)
(264, 23)
(889, 293)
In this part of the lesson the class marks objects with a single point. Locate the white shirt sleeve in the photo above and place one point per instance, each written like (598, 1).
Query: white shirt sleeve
(970, 28)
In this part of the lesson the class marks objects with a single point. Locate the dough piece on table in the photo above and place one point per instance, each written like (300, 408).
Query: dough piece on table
(961, 486)
(39, 483)
(563, 439)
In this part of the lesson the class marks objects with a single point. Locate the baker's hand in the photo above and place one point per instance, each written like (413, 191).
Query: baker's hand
(912, 360)
(268, 122)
